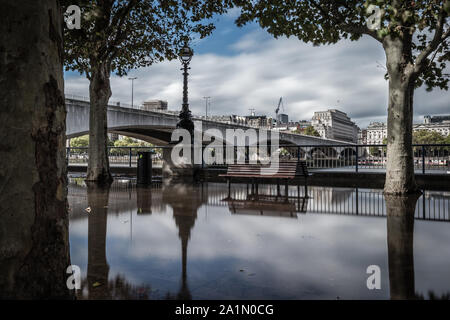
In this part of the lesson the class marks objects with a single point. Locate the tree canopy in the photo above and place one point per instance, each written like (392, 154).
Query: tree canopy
(134, 33)
(310, 131)
(421, 25)
(130, 142)
(429, 137)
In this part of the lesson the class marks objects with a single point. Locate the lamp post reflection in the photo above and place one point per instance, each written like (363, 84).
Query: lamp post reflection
(184, 214)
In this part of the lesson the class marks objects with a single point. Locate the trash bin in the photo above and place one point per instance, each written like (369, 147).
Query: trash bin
(144, 167)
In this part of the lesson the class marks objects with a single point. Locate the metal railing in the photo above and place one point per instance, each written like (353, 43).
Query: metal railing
(118, 156)
(352, 157)
(124, 195)
(428, 158)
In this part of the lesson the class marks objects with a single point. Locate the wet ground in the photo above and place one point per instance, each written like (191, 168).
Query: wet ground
(199, 242)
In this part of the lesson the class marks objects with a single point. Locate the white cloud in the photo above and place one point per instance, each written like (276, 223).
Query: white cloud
(263, 69)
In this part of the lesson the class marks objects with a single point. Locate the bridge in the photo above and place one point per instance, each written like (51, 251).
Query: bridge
(156, 127)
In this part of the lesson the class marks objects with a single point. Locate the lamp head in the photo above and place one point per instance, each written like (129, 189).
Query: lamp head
(186, 54)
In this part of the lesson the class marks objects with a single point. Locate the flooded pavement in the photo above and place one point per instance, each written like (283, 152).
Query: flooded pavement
(199, 242)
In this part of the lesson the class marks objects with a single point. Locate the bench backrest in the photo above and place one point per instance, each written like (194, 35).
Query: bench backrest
(286, 169)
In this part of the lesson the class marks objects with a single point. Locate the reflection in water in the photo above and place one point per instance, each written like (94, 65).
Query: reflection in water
(400, 231)
(98, 268)
(184, 214)
(98, 284)
(257, 256)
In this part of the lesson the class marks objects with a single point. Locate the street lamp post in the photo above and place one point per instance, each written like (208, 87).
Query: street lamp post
(132, 90)
(206, 105)
(185, 114)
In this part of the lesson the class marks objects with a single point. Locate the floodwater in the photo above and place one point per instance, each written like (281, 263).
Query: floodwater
(199, 242)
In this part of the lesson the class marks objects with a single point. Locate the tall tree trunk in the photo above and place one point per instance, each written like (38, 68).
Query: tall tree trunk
(99, 93)
(400, 162)
(34, 243)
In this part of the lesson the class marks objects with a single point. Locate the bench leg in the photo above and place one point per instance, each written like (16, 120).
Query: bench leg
(286, 190)
(229, 188)
(278, 188)
(306, 190)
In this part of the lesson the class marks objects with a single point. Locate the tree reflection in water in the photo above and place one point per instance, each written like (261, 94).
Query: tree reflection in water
(97, 285)
(400, 239)
(185, 200)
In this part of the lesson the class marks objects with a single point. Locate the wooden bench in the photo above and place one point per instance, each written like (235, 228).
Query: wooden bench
(286, 171)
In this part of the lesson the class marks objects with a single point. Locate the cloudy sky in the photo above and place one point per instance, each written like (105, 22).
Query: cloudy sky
(243, 68)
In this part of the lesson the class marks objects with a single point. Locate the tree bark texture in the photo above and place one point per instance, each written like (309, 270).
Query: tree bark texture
(400, 162)
(99, 93)
(34, 242)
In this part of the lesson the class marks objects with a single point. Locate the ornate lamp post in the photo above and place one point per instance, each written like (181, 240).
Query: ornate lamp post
(185, 114)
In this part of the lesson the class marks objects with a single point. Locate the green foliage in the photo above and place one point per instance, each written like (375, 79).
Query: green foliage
(421, 26)
(83, 142)
(310, 131)
(128, 34)
(130, 142)
(378, 151)
(80, 142)
(428, 137)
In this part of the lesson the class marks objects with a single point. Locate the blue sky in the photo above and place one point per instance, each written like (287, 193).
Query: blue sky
(243, 68)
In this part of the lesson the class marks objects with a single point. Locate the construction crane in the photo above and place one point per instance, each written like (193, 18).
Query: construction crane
(280, 105)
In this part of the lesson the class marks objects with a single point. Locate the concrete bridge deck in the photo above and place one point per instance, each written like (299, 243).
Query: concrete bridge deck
(156, 126)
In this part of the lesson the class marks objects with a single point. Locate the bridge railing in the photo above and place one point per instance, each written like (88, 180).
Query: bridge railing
(110, 102)
(428, 158)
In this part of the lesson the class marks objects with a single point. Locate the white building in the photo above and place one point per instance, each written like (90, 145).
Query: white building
(335, 124)
(152, 105)
(377, 131)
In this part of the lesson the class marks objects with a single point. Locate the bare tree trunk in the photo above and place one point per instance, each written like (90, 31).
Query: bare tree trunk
(99, 92)
(400, 162)
(34, 243)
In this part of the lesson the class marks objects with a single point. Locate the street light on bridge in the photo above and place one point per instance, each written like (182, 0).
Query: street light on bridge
(132, 90)
(185, 116)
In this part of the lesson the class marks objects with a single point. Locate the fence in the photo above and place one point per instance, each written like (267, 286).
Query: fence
(427, 157)
(118, 156)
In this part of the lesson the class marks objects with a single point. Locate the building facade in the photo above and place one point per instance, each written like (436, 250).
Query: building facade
(362, 136)
(259, 121)
(233, 119)
(152, 105)
(335, 124)
(377, 131)
(436, 119)
(282, 118)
